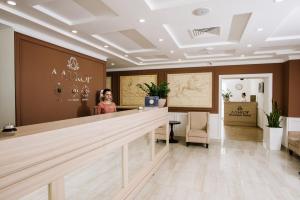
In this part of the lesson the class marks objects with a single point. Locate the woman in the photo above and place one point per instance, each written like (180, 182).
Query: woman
(107, 105)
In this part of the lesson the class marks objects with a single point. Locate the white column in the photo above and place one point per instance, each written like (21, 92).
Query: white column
(7, 77)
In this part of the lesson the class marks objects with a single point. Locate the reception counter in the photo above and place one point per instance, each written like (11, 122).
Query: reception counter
(107, 156)
(240, 113)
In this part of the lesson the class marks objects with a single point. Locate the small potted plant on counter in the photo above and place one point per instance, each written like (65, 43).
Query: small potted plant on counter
(161, 90)
(226, 95)
(273, 131)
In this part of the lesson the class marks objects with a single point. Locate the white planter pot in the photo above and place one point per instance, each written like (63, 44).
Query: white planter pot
(161, 102)
(272, 138)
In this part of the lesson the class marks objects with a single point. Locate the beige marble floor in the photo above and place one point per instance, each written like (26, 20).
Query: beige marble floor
(235, 170)
(242, 133)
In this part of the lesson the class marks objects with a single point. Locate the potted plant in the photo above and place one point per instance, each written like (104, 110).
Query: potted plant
(226, 95)
(161, 90)
(273, 131)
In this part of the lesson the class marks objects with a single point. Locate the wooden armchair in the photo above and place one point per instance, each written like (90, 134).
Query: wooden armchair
(197, 128)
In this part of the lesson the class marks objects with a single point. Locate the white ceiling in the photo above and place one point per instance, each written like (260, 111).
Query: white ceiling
(233, 37)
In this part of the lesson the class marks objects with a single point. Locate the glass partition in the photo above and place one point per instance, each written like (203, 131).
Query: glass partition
(99, 180)
(139, 155)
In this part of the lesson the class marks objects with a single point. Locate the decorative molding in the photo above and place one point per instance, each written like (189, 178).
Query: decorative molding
(199, 64)
(290, 37)
(98, 37)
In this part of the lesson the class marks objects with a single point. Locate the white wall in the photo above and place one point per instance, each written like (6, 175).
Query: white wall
(7, 77)
(250, 87)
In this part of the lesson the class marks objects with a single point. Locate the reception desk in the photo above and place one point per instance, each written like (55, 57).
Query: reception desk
(240, 113)
(109, 156)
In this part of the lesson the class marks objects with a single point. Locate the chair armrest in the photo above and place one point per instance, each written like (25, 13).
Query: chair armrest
(294, 134)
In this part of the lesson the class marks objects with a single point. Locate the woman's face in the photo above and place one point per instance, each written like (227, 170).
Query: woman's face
(108, 96)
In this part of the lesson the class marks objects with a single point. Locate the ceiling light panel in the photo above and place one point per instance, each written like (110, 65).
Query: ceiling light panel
(73, 12)
(137, 38)
(238, 26)
(12, 3)
(127, 41)
(65, 11)
(289, 28)
(96, 8)
(162, 4)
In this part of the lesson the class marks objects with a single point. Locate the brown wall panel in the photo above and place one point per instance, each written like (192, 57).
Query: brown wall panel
(285, 86)
(36, 99)
(294, 84)
(275, 69)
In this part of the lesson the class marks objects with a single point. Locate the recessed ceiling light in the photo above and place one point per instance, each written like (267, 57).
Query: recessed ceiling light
(13, 3)
(160, 39)
(126, 55)
(209, 48)
(141, 62)
(74, 31)
(277, 1)
(142, 20)
(112, 64)
(172, 51)
(260, 29)
(249, 45)
(200, 11)
(106, 46)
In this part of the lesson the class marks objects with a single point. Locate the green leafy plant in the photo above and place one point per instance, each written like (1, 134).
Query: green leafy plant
(274, 116)
(226, 94)
(152, 89)
(163, 89)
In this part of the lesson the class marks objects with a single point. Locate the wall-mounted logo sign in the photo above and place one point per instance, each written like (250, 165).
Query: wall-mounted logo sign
(73, 64)
(71, 73)
(239, 112)
(85, 91)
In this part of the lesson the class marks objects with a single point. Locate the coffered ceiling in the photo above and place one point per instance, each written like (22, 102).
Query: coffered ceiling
(141, 34)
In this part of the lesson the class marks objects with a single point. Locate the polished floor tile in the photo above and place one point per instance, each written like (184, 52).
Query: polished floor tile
(243, 133)
(233, 170)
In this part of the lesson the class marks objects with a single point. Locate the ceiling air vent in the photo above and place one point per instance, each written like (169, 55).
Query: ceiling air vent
(204, 32)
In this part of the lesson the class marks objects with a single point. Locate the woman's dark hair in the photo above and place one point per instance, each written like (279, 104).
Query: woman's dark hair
(98, 95)
(106, 90)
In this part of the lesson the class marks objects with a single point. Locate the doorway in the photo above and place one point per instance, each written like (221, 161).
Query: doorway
(243, 116)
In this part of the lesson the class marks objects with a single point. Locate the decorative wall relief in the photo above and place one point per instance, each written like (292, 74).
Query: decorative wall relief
(190, 90)
(130, 94)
